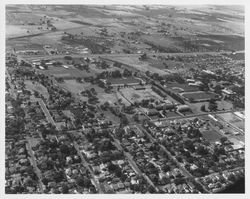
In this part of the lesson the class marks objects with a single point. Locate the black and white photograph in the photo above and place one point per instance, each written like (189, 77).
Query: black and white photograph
(124, 98)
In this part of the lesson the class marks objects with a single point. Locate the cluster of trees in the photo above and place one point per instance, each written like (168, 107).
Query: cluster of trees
(175, 96)
(114, 74)
(212, 106)
(159, 91)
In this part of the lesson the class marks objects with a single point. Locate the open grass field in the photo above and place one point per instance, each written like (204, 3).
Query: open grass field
(36, 87)
(222, 105)
(182, 87)
(172, 114)
(71, 72)
(107, 97)
(73, 86)
(200, 95)
(233, 119)
(135, 63)
(229, 117)
(211, 135)
(236, 56)
(138, 95)
(240, 125)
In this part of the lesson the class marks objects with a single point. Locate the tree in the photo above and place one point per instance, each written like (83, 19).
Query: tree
(83, 182)
(36, 94)
(58, 176)
(203, 108)
(212, 106)
(116, 74)
(136, 117)
(123, 120)
(143, 57)
(104, 65)
(67, 57)
(79, 79)
(202, 150)
(60, 79)
(166, 168)
(223, 140)
(127, 73)
(151, 189)
(117, 64)
(217, 89)
(65, 189)
(65, 149)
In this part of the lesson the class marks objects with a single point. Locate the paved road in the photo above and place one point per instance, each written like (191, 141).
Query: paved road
(110, 56)
(192, 115)
(47, 113)
(183, 169)
(33, 162)
(231, 125)
(12, 89)
(133, 164)
(43, 33)
(85, 164)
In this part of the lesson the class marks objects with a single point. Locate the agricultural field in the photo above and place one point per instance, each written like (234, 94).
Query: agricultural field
(195, 43)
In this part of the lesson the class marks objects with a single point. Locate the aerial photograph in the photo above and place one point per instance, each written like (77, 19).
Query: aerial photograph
(124, 99)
